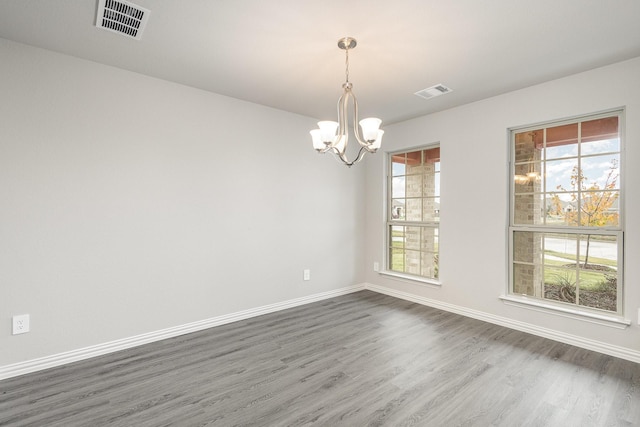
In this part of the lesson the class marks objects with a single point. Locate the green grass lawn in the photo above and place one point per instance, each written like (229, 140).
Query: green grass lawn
(592, 280)
(397, 257)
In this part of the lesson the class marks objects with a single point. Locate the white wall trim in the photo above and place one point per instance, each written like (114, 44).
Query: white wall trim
(611, 350)
(46, 362)
(523, 301)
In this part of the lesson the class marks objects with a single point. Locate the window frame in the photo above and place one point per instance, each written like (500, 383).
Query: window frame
(390, 222)
(572, 309)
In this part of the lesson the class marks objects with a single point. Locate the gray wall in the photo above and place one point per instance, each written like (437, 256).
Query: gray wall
(131, 205)
(475, 193)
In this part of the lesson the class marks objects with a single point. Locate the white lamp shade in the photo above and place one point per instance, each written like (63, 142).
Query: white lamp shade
(328, 130)
(317, 140)
(376, 144)
(370, 127)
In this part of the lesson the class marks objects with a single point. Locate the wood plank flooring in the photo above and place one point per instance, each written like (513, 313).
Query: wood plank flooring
(362, 359)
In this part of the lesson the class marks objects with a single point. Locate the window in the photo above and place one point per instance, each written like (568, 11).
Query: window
(565, 223)
(413, 213)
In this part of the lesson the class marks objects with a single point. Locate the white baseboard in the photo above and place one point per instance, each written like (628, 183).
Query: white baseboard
(611, 350)
(39, 364)
(46, 362)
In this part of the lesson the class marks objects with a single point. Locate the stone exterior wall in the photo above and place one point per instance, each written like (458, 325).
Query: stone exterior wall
(528, 207)
(420, 242)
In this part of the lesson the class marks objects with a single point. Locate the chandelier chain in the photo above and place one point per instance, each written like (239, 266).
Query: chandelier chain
(347, 65)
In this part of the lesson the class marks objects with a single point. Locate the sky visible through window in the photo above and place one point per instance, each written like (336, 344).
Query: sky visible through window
(561, 161)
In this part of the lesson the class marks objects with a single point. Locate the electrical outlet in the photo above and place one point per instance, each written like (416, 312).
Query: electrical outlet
(20, 324)
(306, 275)
(376, 266)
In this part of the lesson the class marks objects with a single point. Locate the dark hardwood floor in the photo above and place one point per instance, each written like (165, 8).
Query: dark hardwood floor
(362, 359)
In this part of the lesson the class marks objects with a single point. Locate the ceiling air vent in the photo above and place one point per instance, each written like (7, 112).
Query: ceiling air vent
(122, 17)
(433, 91)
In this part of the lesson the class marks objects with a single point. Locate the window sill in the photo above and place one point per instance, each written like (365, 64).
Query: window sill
(613, 321)
(410, 278)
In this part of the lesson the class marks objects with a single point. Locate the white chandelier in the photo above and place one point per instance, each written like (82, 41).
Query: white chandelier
(333, 136)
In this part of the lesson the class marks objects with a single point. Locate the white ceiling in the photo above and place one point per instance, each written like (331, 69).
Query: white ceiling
(284, 54)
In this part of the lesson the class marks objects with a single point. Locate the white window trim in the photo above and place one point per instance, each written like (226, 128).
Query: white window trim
(616, 320)
(411, 278)
(405, 277)
(535, 304)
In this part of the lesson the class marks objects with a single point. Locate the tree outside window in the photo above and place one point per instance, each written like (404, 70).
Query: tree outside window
(566, 235)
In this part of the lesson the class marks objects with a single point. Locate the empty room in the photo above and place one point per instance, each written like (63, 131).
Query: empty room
(328, 213)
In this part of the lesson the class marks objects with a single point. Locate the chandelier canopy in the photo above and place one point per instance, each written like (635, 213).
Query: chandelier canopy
(334, 136)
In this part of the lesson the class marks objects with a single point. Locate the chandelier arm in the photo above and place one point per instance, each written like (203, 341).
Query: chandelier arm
(359, 157)
(343, 117)
(356, 125)
(343, 158)
(369, 149)
(343, 128)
